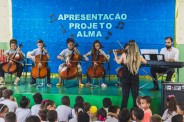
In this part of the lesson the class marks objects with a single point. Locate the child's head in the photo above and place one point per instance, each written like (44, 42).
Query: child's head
(93, 111)
(43, 114)
(1, 91)
(101, 114)
(171, 103)
(137, 114)
(107, 102)
(37, 98)
(52, 116)
(180, 108)
(83, 117)
(86, 107)
(7, 94)
(40, 43)
(145, 102)
(124, 115)
(114, 109)
(24, 102)
(3, 110)
(138, 101)
(156, 118)
(79, 99)
(48, 104)
(10, 117)
(65, 100)
(177, 118)
(33, 118)
(78, 107)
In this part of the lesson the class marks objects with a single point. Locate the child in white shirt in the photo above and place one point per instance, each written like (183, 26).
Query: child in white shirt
(23, 112)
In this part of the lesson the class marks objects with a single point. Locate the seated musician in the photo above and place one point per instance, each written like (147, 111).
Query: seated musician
(171, 54)
(19, 57)
(95, 49)
(64, 55)
(40, 50)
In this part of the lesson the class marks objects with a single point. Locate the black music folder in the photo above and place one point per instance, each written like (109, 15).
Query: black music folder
(154, 57)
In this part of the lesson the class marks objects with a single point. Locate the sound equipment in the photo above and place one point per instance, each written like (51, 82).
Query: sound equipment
(176, 89)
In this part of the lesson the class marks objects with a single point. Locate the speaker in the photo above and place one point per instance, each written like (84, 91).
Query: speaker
(176, 89)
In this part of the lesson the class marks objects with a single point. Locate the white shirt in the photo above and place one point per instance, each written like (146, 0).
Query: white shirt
(170, 54)
(1, 119)
(12, 105)
(73, 119)
(64, 113)
(35, 109)
(167, 116)
(111, 119)
(22, 114)
(73, 113)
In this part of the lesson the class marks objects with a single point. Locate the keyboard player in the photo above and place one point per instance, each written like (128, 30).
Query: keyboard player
(171, 54)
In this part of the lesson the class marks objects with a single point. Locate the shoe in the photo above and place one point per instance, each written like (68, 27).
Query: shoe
(2, 81)
(103, 85)
(16, 81)
(81, 84)
(49, 85)
(88, 84)
(59, 84)
(154, 89)
(16, 84)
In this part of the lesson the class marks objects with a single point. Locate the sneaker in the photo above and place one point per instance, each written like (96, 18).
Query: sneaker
(154, 89)
(103, 85)
(16, 84)
(81, 84)
(59, 84)
(88, 84)
(49, 85)
(16, 81)
(2, 81)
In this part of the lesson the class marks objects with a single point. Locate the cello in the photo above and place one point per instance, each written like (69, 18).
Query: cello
(11, 67)
(70, 70)
(96, 71)
(40, 72)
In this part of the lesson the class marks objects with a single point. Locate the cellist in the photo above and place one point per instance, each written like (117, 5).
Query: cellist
(64, 56)
(40, 51)
(97, 46)
(19, 55)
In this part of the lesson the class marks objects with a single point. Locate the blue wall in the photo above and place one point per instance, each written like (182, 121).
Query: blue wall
(147, 21)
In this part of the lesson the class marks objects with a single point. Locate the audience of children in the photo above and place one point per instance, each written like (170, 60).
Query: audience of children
(46, 111)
